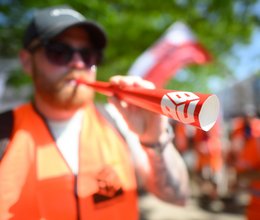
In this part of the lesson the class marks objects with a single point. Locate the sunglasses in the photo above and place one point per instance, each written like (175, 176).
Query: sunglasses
(60, 54)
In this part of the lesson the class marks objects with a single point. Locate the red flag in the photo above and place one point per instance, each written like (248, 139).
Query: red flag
(177, 48)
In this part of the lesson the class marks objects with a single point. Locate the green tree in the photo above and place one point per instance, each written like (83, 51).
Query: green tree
(133, 25)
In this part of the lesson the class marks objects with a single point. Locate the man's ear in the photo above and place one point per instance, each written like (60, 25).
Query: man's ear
(26, 61)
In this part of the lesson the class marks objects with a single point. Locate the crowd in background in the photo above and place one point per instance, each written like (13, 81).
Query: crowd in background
(224, 162)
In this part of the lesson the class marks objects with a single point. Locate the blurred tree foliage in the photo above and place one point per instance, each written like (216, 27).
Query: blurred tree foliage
(133, 25)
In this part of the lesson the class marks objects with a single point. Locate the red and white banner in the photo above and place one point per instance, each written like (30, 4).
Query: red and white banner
(177, 48)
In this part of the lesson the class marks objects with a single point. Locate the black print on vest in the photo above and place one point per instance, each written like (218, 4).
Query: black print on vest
(109, 185)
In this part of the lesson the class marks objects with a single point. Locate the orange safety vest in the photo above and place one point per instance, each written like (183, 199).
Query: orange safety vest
(209, 150)
(249, 159)
(181, 138)
(37, 183)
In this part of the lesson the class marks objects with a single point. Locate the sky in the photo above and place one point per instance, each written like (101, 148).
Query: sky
(249, 57)
(246, 64)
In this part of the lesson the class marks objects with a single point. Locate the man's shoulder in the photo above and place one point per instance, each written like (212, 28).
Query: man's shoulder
(111, 115)
(102, 109)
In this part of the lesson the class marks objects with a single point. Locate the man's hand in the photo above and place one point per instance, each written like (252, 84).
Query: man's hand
(149, 126)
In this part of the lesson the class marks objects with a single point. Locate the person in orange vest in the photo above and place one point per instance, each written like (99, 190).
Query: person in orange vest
(182, 137)
(184, 143)
(63, 159)
(245, 147)
(209, 165)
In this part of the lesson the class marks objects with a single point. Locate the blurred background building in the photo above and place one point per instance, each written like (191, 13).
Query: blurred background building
(241, 97)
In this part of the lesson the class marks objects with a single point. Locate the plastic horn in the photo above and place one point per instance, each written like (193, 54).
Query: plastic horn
(196, 109)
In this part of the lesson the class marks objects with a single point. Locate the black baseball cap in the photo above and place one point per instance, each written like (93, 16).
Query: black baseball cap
(48, 23)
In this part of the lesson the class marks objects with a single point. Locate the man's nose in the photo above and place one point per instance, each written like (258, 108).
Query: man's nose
(77, 61)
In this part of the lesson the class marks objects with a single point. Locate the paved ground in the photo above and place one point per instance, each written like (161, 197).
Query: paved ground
(154, 209)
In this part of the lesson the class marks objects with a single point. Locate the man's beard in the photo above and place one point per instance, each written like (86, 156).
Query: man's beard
(59, 93)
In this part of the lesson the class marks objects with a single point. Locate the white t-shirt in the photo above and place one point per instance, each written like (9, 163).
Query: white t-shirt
(67, 134)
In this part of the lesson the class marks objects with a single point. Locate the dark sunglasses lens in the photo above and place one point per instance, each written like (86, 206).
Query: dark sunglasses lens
(58, 53)
(88, 56)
